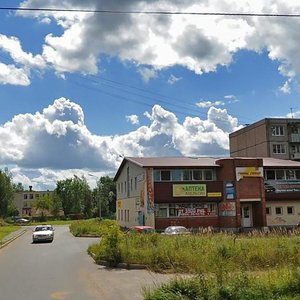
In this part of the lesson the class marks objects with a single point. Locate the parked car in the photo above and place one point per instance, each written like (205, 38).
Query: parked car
(22, 221)
(174, 230)
(43, 233)
(141, 229)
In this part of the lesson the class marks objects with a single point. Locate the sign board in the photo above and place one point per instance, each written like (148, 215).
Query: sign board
(195, 212)
(242, 172)
(227, 209)
(189, 190)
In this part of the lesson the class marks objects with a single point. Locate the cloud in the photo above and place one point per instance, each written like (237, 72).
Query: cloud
(10, 73)
(133, 119)
(173, 79)
(286, 89)
(206, 104)
(50, 145)
(199, 43)
(147, 73)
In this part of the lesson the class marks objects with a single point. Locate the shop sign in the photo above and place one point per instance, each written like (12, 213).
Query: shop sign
(215, 194)
(189, 190)
(150, 190)
(194, 212)
(229, 190)
(242, 172)
(227, 209)
(282, 186)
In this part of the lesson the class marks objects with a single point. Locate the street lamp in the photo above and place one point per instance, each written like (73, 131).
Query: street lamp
(97, 196)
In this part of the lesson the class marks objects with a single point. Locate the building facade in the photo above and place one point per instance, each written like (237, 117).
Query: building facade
(24, 201)
(226, 193)
(270, 137)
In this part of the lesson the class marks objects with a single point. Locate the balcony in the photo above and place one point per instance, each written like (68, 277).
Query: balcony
(295, 138)
(296, 155)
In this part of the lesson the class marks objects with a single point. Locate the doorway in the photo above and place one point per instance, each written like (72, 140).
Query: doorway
(246, 215)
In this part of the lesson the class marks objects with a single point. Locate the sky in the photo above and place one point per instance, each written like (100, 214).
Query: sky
(79, 91)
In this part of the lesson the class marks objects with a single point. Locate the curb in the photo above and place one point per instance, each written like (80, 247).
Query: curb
(127, 266)
(12, 239)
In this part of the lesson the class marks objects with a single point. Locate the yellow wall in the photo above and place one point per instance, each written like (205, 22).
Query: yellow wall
(283, 219)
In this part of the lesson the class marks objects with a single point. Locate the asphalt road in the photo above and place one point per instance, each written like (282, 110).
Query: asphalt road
(63, 270)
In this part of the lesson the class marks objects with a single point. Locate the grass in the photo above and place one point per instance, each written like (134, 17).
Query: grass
(276, 284)
(6, 230)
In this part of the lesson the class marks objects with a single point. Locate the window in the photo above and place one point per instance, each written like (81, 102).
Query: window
(290, 174)
(165, 175)
(187, 175)
(280, 174)
(208, 174)
(131, 184)
(270, 175)
(25, 196)
(278, 210)
(290, 210)
(125, 186)
(278, 148)
(197, 175)
(176, 175)
(37, 195)
(30, 196)
(268, 210)
(277, 130)
(297, 173)
(135, 183)
(156, 176)
(122, 187)
(161, 212)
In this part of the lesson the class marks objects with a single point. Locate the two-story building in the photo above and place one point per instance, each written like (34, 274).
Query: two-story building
(24, 201)
(225, 193)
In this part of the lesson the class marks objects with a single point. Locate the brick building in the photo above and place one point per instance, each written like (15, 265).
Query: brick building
(225, 193)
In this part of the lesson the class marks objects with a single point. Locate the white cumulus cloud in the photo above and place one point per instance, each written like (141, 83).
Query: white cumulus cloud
(54, 143)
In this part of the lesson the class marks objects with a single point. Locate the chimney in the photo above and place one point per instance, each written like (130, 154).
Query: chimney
(30, 188)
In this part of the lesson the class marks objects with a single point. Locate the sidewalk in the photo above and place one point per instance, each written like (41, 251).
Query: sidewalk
(12, 236)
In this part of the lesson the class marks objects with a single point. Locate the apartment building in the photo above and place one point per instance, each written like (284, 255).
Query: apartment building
(24, 201)
(270, 137)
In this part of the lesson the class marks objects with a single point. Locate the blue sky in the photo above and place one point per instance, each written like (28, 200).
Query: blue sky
(80, 90)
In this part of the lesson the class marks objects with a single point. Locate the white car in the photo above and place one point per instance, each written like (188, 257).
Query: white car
(174, 230)
(43, 233)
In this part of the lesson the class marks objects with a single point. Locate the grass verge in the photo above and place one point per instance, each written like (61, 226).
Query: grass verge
(6, 230)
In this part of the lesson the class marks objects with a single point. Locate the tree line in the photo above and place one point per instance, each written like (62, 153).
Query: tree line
(72, 196)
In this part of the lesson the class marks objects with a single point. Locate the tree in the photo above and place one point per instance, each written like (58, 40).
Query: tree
(42, 204)
(6, 192)
(55, 206)
(18, 187)
(106, 191)
(75, 195)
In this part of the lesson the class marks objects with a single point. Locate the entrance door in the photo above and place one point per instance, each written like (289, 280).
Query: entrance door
(246, 215)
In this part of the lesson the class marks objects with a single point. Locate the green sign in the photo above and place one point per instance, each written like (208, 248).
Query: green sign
(189, 190)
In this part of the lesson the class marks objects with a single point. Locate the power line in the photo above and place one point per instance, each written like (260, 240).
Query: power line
(135, 12)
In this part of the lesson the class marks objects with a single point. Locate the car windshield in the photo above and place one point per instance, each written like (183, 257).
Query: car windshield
(42, 228)
(181, 229)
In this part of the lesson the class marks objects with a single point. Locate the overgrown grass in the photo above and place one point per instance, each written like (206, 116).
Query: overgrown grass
(276, 284)
(92, 227)
(205, 253)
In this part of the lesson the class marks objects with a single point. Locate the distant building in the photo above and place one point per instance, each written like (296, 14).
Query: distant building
(270, 137)
(24, 201)
(225, 193)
